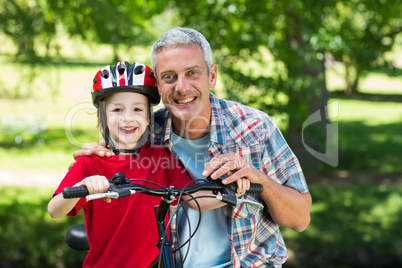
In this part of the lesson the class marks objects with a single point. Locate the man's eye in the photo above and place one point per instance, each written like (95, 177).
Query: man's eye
(193, 73)
(168, 77)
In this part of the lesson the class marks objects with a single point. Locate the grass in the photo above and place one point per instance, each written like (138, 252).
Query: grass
(351, 226)
(368, 132)
(28, 236)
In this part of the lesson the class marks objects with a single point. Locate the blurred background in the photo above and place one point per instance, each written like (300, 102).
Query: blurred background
(328, 72)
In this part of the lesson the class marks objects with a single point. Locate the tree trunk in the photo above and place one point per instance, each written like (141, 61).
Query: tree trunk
(307, 140)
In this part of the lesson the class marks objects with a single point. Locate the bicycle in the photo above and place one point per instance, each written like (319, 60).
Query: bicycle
(120, 187)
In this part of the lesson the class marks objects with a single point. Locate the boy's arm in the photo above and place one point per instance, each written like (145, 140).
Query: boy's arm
(59, 206)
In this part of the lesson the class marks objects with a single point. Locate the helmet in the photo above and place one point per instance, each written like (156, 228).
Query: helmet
(123, 77)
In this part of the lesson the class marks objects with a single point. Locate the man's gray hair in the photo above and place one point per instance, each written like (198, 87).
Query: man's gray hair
(181, 36)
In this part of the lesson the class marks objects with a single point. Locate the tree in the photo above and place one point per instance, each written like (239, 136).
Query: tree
(24, 21)
(363, 31)
(298, 33)
(112, 22)
(242, 30)
(108, 22)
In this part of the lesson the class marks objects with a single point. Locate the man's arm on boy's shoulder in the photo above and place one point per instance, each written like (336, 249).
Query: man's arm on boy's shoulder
(99, 149)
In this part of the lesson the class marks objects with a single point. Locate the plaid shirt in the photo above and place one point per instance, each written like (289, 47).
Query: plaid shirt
(255, 238)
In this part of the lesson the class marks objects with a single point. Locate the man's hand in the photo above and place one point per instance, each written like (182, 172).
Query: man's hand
(287, 206)
(99, 150)
(233, 166)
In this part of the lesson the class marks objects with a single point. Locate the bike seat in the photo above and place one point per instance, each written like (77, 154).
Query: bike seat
(76, 237)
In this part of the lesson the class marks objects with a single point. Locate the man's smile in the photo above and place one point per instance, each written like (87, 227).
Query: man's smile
(185, 101)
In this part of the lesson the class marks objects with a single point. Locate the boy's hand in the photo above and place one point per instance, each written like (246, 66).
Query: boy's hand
(99, 150)
(96, 184)
(243, 185)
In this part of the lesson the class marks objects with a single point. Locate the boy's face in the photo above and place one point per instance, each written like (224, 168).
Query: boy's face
(127, 118)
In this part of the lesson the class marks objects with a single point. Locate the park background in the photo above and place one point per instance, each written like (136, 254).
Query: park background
(287, 58)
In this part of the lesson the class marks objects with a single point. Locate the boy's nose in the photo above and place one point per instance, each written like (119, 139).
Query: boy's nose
(128, 117)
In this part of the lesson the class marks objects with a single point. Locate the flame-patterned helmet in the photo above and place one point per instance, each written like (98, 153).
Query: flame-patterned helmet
(123, 77)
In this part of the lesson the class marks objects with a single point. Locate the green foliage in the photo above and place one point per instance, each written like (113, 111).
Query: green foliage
(117, 23)
(298, 34)
(351, 226)
(24, 22)
(28, 236)
(362, 31)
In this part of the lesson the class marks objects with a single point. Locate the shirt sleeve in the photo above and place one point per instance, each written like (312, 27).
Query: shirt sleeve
(281, 163)
(77, 173)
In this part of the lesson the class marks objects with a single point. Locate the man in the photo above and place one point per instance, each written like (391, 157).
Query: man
(234, 141)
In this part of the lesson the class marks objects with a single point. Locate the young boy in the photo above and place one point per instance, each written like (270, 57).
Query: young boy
(122, 232)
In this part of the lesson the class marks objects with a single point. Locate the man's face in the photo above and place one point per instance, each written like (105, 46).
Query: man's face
(184, 83)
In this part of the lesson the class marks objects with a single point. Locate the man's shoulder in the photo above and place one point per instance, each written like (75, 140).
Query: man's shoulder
(161, 115)
(160, 118)
(233, 111)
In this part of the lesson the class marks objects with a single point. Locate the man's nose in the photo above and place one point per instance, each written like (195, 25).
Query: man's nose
(182, 85)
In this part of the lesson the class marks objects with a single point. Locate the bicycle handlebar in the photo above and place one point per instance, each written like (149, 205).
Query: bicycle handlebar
(119, 189)
(82, 191)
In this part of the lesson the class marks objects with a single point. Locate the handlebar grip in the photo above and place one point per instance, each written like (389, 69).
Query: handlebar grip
(255, 188)
(75, 192)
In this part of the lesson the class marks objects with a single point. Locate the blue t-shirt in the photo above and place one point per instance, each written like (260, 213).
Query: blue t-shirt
(210, 246)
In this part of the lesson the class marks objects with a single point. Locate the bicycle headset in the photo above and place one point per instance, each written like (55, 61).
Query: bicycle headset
(124, 77)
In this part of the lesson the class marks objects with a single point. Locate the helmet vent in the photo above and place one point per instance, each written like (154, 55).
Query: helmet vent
(139, 69)
(121, 69)
(105, 74)
(152, 74)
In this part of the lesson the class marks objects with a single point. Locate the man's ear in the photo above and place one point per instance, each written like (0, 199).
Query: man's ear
(213, 76)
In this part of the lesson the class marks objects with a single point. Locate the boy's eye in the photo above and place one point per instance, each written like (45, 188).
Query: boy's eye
(116, 110)
(137, 110)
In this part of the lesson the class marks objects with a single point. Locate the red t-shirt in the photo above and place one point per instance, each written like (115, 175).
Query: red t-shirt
(123, 233)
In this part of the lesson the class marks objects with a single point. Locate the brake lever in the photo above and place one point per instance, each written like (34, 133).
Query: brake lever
(113, 192)
(259, 206)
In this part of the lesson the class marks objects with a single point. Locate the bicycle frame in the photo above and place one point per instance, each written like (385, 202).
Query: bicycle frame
(164, 244)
